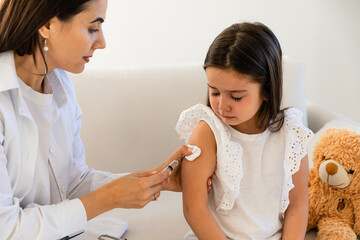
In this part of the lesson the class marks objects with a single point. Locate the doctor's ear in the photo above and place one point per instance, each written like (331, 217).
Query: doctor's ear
(49, 28)
(44, 31)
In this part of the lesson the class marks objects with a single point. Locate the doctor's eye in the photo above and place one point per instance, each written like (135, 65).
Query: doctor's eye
(350, 171)
(93, 30)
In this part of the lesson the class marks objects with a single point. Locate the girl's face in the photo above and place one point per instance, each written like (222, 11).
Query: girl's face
(235, 98)
(72, 44)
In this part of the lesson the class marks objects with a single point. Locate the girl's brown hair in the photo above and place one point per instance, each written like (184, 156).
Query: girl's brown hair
(253, 49)
(20, 21)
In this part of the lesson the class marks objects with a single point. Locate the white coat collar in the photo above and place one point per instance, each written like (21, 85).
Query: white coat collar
(8, 72)
(9, 79)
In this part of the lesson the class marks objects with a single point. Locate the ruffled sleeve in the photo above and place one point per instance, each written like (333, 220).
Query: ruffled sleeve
(229, 153)
(296, 138)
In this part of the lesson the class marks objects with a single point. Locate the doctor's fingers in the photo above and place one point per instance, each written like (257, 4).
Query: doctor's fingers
(156, 179)
(134, 192)
(145, 173)
(181, 151)
(152, 192)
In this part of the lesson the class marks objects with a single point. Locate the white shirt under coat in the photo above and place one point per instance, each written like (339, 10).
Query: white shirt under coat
(41, 176)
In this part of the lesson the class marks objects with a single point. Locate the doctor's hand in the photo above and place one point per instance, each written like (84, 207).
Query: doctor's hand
(174, 181)
(134, 190)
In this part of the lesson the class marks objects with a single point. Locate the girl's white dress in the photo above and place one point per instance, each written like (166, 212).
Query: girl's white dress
(254, 173)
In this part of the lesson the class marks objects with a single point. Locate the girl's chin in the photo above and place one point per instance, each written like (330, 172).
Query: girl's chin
(229, 121)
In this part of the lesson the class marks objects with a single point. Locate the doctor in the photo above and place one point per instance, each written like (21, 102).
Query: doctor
(46, 189)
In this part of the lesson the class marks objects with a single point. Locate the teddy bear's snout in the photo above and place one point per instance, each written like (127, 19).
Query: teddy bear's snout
(334, 174)
(331, 168)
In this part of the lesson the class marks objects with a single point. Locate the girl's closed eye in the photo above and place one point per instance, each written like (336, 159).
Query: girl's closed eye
(236, 98)
(215, 93)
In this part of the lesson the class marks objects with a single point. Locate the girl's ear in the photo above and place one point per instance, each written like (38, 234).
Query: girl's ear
(264, 96)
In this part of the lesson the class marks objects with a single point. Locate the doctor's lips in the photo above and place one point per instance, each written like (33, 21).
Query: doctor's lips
(87, 58)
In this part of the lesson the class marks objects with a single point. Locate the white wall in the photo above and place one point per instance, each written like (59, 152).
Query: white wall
(324, 35)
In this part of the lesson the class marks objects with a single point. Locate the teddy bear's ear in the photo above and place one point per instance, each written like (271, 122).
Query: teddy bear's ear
(330, 130)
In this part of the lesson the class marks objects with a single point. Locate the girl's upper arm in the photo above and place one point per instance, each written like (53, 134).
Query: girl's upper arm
(299, 194)
(195, 174)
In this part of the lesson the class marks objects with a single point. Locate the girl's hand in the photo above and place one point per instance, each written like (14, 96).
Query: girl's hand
(213, 176)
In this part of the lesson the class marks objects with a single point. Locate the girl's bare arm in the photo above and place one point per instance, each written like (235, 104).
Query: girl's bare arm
(194, 177)
(296, 216)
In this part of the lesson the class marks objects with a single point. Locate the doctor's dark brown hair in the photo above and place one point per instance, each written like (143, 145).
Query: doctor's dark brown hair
(20, 21)
(253, 49)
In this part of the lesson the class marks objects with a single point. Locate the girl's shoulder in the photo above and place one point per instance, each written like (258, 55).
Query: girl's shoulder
(293, 124)
(198, 111)
(293, 116)
(296, 137)
(190, 117)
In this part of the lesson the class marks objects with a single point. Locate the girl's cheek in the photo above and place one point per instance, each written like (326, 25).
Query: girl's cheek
(213, 104)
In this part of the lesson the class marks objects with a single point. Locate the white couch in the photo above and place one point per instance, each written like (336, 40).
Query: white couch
(129, 115)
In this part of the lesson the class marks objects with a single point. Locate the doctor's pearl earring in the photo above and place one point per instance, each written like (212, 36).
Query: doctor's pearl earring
(46, 48)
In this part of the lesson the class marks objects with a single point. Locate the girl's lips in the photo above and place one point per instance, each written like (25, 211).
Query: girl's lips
(226, 116)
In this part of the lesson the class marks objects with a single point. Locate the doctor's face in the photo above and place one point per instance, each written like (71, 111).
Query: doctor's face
(72, 43)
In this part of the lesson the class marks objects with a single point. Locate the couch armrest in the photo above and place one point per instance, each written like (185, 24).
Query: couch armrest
(318, 116)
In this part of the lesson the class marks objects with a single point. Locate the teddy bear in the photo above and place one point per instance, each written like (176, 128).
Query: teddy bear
(334, 185)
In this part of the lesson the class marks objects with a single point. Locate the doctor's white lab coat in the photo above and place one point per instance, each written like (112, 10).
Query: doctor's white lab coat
(59, 212)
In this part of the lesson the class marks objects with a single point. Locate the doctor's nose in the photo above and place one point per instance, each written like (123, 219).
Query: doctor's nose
(100, 42)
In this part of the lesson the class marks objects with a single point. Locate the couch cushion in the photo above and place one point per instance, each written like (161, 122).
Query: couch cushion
(129, 114)
(294, 86)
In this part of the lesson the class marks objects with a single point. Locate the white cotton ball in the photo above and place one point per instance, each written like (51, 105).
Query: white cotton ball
(196, 151)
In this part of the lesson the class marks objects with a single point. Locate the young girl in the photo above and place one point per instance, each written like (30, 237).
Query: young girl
(257, 150)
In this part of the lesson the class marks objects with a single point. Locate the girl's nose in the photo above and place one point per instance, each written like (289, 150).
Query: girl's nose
(224, 105)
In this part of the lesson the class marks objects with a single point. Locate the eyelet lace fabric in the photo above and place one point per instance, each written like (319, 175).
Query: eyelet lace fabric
(229, 167)
(229, 153)
(297, 137)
